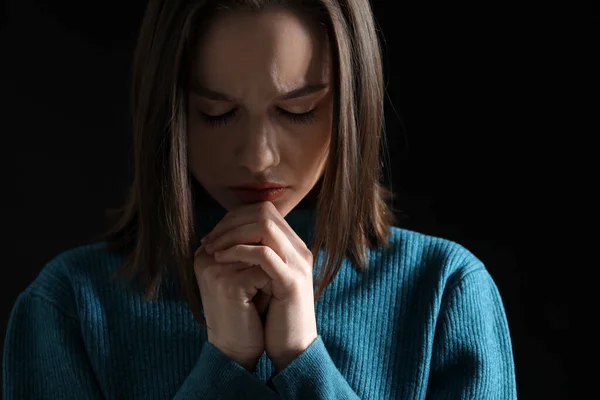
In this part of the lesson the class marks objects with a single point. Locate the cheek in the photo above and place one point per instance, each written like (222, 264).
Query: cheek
(310, 148)
(321, 138)
(206, 154)
(322, 144)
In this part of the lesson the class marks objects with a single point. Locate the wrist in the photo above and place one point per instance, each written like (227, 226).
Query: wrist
(248, 366)
(249, 363)
(282, 360)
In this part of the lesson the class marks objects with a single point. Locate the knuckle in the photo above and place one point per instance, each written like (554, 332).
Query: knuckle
(294, 287)
(265, 209)
(267, 225)
(263, 222)
(308, 255)
(266, 253)
(264, 206)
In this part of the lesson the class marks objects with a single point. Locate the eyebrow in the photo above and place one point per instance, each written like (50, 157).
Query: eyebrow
(293, 94)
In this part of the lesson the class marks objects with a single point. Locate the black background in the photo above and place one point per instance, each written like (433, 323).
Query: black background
(472, 115)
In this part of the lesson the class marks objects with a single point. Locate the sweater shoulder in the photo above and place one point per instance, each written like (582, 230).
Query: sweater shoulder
(79, 271)
(423, 255)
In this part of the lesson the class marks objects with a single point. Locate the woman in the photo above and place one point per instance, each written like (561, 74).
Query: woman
(257, 127)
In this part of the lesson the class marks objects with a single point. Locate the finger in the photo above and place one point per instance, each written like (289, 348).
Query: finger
(273, 231)
(254, 213)
(205, 262)
(234, 218)
(268, 289)
(251, 280)
(269, 261)
(208, 274)
(257, 233)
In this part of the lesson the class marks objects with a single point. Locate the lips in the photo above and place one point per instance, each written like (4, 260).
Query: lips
(259, 186)
(255, 196)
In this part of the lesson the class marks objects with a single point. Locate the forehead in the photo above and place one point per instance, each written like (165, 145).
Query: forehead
(249, 53)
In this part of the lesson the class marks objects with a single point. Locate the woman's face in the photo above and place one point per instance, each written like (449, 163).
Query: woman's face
(260, 106)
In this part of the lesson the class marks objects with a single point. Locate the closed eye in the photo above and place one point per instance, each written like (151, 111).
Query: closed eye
(217, 120)
(222, 119)
(303, 118)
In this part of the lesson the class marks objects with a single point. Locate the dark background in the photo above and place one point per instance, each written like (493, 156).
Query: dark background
(472, 115)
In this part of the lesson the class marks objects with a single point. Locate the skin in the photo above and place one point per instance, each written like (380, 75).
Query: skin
(255, 59)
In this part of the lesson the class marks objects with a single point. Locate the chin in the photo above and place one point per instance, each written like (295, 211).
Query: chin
(284, 204)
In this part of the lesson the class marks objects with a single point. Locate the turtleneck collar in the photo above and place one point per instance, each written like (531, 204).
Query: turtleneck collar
(209, 212)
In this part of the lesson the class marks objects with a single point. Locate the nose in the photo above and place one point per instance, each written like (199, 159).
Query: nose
(257, 150)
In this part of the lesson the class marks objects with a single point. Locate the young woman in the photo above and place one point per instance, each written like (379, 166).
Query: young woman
(256, 256)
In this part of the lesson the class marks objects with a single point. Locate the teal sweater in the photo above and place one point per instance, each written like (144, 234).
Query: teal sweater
(424, 321)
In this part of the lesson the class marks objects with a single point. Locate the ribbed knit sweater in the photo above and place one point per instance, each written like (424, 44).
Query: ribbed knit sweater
(425, 320)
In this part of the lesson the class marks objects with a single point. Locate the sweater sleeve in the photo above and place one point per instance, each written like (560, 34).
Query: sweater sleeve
(312, 375)
(216, 376)
(44, 354)
(472, 352)
(45, 358)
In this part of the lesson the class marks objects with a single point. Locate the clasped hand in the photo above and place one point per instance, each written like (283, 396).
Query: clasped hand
(256, 250)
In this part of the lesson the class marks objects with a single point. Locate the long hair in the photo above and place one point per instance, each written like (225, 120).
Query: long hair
(155, 226)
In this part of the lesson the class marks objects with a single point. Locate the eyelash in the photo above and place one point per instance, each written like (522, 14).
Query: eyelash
(219, 120)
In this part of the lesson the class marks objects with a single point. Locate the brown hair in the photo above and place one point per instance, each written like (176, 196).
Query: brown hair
(155, 226)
